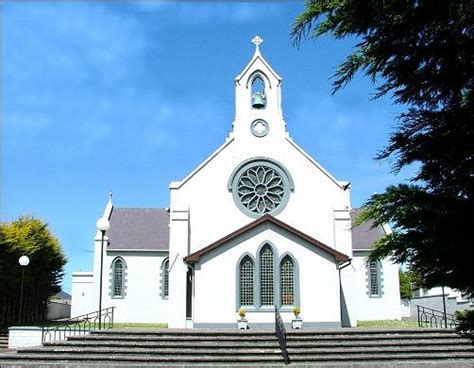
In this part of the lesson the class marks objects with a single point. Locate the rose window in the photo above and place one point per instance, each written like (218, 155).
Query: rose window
(260, 189)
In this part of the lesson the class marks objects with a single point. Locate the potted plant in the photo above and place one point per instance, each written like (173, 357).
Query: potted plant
(297, 323)
(242, 323)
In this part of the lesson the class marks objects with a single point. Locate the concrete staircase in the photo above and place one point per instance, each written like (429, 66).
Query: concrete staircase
(3, 339)
(341, 347)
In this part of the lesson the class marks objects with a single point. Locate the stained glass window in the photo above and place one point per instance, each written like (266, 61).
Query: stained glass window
(287, 282)
(117, 289)
(260, 189)
(165, 279)
(374, 278)
(246, 281)
(266, 277)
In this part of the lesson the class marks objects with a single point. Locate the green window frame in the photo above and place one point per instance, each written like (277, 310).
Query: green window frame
(374, 279)
(118, 278)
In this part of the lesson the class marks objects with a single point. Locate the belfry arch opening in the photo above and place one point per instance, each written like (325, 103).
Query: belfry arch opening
(258, 94)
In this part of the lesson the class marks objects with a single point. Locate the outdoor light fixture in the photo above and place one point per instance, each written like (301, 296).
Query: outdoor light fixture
(102, 225)
(23, 261)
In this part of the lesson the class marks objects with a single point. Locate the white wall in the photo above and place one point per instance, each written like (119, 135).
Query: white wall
(376, 308)
(215, 281)
(58, 310)
(142, 301)
(318, 206)
(27, 336)
(82, 301)
(20, 337)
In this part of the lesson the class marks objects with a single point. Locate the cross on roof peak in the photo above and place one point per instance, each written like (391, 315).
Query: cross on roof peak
(257, 41)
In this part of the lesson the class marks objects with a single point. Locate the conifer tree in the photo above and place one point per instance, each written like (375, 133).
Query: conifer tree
(421, 54)
(31, 237)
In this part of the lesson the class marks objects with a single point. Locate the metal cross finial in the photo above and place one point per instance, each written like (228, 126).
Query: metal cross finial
(110, 195)
(257, 41)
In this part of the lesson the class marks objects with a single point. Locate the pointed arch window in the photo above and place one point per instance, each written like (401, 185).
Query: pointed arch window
(267, 280)
(374, 279)
(287, 281)
(246, 278)
(266, 277)
(165, 278)
(118, 278)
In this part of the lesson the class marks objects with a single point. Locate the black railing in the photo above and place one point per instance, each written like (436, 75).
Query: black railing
(428, 317)
(281, 335)
(81, 325)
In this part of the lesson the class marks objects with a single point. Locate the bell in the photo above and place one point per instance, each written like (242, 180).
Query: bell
(258, 101)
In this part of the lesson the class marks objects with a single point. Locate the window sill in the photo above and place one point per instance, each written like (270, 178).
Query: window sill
(266, 309)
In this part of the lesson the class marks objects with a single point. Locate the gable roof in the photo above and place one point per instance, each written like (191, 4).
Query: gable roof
(194, 257)
(139, 229)
(258, 56)
(364, 235)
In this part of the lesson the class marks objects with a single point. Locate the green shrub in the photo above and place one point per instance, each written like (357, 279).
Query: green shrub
(466, 323)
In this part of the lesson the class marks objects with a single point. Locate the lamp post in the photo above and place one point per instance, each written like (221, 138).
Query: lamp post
(23, 261)
(444, 308)
(102, 225)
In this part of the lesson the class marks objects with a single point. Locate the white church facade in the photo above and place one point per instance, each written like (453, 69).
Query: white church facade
(259, 223)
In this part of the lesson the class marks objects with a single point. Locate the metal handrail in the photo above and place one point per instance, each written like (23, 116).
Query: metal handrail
(79, 325)
(280, 332)
(428, 317)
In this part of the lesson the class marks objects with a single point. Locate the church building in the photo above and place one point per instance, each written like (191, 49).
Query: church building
(258, 224)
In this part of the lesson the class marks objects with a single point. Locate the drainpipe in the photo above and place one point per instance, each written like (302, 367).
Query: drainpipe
(342, 266)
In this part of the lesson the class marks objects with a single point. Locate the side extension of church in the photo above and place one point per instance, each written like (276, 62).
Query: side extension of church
(258, 224)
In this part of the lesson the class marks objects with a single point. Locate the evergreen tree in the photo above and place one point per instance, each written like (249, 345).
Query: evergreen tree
(421, 54)
(31, 237)
(405, 284)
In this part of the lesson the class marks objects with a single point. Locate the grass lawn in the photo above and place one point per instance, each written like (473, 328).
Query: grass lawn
(130, 325)
(388, 323)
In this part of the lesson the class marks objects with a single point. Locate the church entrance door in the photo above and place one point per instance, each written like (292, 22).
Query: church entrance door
(189, 294)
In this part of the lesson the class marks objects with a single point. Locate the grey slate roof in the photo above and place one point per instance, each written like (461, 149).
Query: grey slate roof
(148, 229)
(364, 235)
(139, 229)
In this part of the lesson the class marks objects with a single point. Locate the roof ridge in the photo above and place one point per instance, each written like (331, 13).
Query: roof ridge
(194, 257)
(141, 208)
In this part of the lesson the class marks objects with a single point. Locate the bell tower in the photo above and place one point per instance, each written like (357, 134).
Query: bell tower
(258, 99)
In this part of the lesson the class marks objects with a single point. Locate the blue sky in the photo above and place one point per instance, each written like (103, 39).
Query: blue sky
(130, 96)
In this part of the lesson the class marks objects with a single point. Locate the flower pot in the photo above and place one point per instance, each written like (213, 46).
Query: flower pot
(242, 324)
(297, 324)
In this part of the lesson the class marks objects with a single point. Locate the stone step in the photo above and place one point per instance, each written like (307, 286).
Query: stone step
(258, 343)
(3, 341)
(151, 351)
(113, 357)
(191, 344)
(371, 331)
(421, 363)
(217, 350)
(316, 337)
(381, 350)
(403, 356)
(261, 337)
(189, 359)
(189, 332)
(341, 331)
(248, 348)
(386, 342)
(269, 333)
(93, 337)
